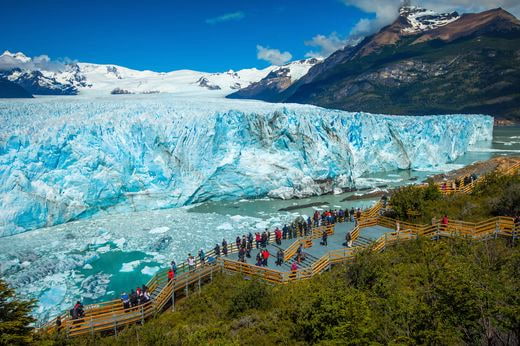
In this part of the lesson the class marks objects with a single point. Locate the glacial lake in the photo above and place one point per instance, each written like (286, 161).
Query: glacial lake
(95, 259)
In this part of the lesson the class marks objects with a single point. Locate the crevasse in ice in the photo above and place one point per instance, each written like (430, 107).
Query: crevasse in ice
(62, 159)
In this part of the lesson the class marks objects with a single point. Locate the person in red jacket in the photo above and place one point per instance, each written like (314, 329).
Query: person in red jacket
(258, 238)
(265, 257)
(444, 220)
(278, 236)
(171, 275)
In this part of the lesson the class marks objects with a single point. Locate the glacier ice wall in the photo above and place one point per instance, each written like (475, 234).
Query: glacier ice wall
(61, 159)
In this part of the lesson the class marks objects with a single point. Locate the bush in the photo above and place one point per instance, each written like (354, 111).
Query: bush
(15, 318)
(254, 296)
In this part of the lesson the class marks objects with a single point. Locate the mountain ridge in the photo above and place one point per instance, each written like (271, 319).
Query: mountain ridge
(466, 65)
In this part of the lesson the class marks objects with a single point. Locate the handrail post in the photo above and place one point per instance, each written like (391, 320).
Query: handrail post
(142, 314)
(497, 229)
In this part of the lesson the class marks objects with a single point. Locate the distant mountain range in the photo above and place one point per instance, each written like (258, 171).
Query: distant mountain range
(423, 63)
(86, 78)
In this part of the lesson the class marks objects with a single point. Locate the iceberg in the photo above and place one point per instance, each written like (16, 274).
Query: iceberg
(66, 159)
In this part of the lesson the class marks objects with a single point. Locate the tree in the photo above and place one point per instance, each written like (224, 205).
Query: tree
(15, 317)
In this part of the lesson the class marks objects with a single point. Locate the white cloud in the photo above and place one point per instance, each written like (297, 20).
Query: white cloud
(274, 56)
(226, 17)
(385, 11)
(327, 44)
(41, 62)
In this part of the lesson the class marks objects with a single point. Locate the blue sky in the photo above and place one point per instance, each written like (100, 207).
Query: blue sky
(205, 35)
(166, 35)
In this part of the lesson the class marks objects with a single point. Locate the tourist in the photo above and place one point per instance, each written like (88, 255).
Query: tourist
(133, 299)
(444, 220)
(285, 231)
(279, 257)
(268, 238)
(171, 275)
(265, 257)
(258, 238)
(224, 247)
(397, 227)
(191, 262)
(173, 265)
(249, 247)
(259, 260)
(238, 241)
(250, 237)
(324, 237)
(294, 268)
(217, 250)
(244, 242)
(202, 256)
(242, 255)
(278, 236)
(58, 323)
(351, 214)
(126, 300)
(263, 240)
(348, 239)
(358, 213)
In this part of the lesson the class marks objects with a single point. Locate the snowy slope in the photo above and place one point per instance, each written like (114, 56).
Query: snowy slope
(66, 158)
(41, 76)
(105, 78)
(421, 19)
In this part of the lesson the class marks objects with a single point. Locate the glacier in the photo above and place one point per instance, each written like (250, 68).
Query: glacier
(63, 159)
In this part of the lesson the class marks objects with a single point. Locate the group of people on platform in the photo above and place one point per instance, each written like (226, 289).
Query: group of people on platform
(135, 298)
(458, 183)
(260, 240)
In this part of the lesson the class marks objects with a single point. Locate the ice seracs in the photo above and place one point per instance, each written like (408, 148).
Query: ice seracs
(66, 159)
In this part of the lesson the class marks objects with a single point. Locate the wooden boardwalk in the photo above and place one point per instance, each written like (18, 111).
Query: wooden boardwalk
(371, 231)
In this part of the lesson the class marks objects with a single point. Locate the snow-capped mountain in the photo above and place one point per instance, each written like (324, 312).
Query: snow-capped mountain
(278, 80)
(421, 19)
(41, 77)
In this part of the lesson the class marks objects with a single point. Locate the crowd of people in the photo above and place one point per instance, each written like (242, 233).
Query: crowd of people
(135, 298)
(458, 183)
(245, 244)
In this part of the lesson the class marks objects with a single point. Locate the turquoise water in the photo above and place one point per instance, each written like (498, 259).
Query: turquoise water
(96, 259)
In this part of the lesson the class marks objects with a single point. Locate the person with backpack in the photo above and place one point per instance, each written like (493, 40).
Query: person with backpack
(249, 247)
(238, 242)
(217, 250)
(242, 255)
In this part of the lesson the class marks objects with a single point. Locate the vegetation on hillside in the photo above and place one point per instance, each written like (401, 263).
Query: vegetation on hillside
(448, 292)
(496, 195)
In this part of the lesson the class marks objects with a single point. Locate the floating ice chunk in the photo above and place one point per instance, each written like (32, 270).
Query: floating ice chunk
(149, 270)
(87, 267)
(103, 249)
(130, 266)
(225, 226)
(159, 230)
(120, 242)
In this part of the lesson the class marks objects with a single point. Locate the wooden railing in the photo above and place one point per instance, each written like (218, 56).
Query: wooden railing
(111, 315)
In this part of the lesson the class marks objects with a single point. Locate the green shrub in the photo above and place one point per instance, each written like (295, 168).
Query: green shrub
(15, 318)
